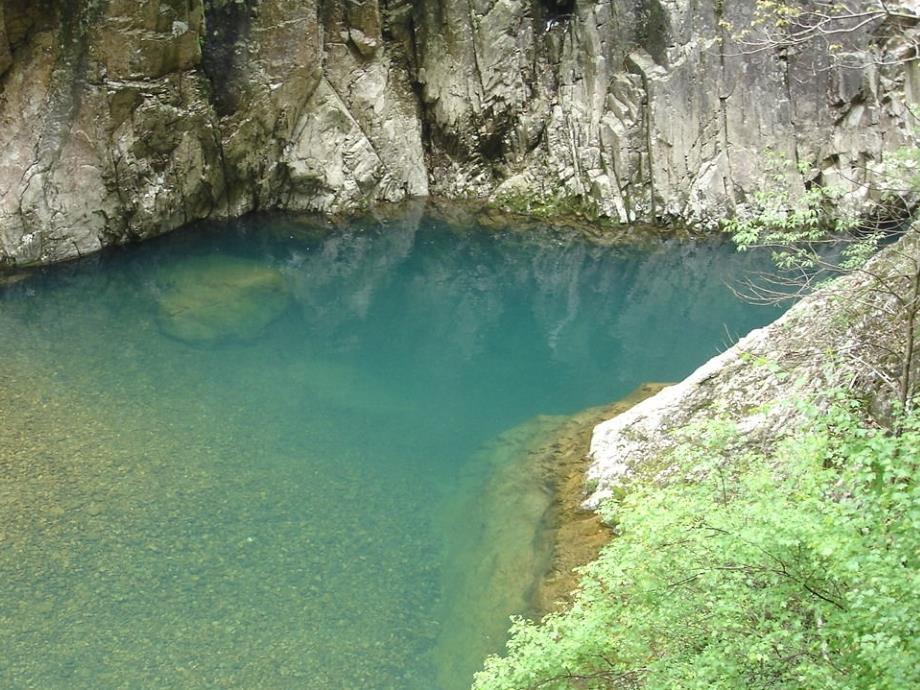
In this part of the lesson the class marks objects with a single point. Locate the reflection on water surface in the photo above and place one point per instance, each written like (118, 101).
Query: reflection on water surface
(232, 457)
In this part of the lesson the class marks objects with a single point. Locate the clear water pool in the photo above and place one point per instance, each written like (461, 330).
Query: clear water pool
(244, 455)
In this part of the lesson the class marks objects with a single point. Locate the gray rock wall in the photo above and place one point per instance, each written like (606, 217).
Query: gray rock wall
(123, 119)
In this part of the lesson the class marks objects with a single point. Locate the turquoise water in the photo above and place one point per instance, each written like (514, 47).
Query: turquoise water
(231, 457)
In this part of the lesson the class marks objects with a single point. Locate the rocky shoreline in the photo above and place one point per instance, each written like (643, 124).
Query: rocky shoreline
(577, 533)
(823, 342)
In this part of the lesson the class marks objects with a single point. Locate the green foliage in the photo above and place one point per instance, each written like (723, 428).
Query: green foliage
(814, 237)
(800, 226)
(548, 207)
(775, 14)
(901, 169)
(797, 227)
(800, 569)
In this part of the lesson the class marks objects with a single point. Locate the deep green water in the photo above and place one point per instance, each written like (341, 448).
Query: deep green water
(276, 509)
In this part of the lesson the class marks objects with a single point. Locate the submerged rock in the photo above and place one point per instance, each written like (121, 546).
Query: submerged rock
(220, 298)
(12, 279)
(514, 546)
(497, 546)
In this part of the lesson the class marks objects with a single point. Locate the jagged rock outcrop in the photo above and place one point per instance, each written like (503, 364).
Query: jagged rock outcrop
(644, 110)
(122, 120)
(852, 334)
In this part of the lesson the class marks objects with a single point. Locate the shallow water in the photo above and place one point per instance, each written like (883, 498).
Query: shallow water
(261, 490)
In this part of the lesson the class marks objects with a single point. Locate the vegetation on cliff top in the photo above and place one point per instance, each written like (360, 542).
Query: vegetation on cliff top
(815, 238)
(795, 569)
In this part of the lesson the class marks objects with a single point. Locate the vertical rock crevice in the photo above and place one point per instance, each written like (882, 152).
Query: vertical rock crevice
(227, 30)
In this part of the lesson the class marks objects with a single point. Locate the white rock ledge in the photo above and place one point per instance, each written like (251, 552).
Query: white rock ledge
(823, 341)
(618, 443)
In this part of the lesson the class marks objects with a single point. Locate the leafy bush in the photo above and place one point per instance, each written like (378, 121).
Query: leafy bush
(797, 569)
(814, 238)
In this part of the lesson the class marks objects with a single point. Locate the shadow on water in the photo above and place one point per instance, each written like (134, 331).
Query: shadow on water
(264, 453)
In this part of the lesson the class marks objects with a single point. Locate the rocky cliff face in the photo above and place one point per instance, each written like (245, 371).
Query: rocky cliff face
(123, 119)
